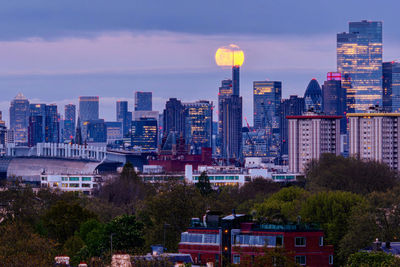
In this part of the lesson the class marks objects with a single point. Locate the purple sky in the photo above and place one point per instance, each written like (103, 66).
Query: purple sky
(54, 52)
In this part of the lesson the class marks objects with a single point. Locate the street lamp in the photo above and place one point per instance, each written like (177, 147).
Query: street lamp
(111, 244)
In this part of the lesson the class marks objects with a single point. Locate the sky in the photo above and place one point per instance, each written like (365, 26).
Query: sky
(54, 51)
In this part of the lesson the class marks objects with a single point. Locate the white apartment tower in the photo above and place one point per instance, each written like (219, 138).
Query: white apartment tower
(374, 136)
(311, 135)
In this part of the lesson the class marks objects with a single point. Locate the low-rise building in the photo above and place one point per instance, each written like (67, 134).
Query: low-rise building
(71, 183)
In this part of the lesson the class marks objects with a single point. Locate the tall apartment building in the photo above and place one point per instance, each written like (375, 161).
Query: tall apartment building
(374, 136)
(311, 135)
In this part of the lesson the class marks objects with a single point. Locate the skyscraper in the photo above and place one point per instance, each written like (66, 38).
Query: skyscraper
(143, 101)
(35, 130)
(95, 131)
(359, 54)
(231, 112)
(69, 122)
(145, 134)
(198, 122)
(174, 118)
(334, 98)
(19, 118)
(52, 124)
(88, 108)
(224, 91)
(294, 105)
(267, 100)
(122, 116)
(313, 97)
(391, 86)
(114, 131)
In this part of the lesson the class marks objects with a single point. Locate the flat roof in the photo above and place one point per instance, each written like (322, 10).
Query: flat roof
(381, 114)
(314, 117)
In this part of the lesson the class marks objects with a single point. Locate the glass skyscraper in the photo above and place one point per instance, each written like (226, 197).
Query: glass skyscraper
(88, 108)
(143, 101)
(391, 86)
(313, 97)
(19, 118)
(144, 134)
(122, 116)
(267, 100)
(359, 55)
(198, 118)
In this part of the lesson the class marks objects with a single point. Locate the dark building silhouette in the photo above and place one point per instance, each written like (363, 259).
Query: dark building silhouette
(231, 112)
(391, 86)
(35, 130)
(334, 98)
(96, 131)
(123, 116)
(294, 105)
(69, 122)
(52, 125)
(174, 117)
(313, 97)
(143, 101)
(78, 134)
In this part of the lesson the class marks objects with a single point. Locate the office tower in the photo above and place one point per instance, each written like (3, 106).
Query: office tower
(35, 130)
(122, 116)
(224, 91)
(19, 118)
(231, 112)
(294, 105)
(267, 100)
(94, 131)
(143, 101)
(254, 142)
(3, 130)
(114, 131)
(359, 54)
(198, 122)
(88, 108)
(374, 136)
(311, 135)
(69, 122)
(78, 133)
(52, 124)
(235, 80)
(391, 86)
(144, 135)
(174, 118)
(313, 97)
(334, 98)
(37, 109)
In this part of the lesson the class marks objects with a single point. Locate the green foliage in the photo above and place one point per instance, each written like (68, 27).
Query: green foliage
(63, 219)
(372, 259)
(331, 210)
(283, 206)
(333, 172)
(204, 184)
(19, 246)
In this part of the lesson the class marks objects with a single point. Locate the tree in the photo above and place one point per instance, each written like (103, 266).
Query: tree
(283, 206)
(63, 219)
(333, 172)
(203, 184)
(19, 246)
(331, 210)
(372, 259)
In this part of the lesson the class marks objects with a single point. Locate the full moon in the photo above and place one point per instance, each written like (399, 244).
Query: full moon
(230, 55)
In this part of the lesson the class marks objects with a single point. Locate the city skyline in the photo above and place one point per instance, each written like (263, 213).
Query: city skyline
(121, 59)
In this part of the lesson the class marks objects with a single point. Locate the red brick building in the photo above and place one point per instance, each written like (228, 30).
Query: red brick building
(235, 238)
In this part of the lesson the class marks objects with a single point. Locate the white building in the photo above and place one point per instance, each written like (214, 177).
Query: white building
(311, 135)
(374, 136)
(75, 183)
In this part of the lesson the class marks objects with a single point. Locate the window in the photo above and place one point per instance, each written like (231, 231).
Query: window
(85, 185)
(44, 178)
(300, 260)
(321, 241)
(73, 185)
(300, 242)
(331, 259)
(236, 259)
(279, 241)
(86, 178)
(74, 178)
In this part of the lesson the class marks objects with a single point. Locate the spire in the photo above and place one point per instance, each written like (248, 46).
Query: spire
(78, 134)
(20, 96)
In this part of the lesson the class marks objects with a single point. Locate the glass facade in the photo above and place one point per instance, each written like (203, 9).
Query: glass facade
(267, 100)
(391, 86)
(19, 118)
(198, 116)
(69, 122)
(122, 116)
(52, 125)
(95, 131)
(88, 108)
(359, 55)
(143, 101)
(144, 134)
(313, 97)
